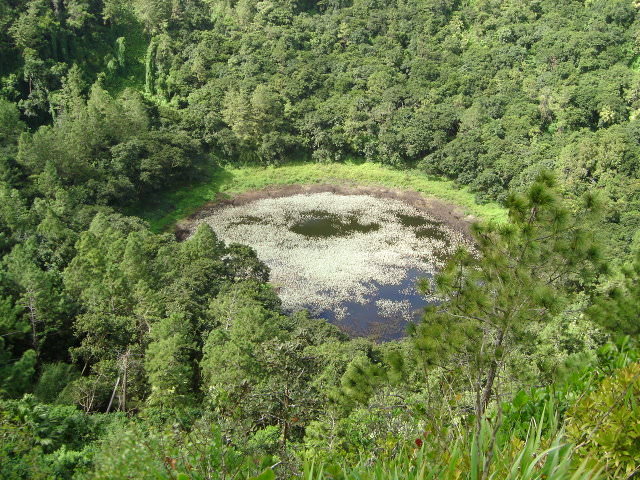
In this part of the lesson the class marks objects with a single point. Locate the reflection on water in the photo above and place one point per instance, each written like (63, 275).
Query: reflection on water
(386, 314)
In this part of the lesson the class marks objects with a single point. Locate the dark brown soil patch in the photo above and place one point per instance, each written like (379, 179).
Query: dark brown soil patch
(451, 215)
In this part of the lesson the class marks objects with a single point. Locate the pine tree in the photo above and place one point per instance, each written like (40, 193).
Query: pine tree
(494, 300)
(618, 309)
(40, 295)
(169, 363)
(16, 375)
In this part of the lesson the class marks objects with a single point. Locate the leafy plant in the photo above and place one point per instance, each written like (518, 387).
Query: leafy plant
(471, 457)
(605, 424)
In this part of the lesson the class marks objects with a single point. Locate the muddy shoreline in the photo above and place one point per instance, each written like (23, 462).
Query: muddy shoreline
(447, 213)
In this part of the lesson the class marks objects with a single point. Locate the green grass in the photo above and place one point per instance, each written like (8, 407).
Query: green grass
(164, 211)
(535, 458)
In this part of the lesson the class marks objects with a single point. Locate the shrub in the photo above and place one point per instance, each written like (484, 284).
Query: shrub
(605, 425)
(55, 377)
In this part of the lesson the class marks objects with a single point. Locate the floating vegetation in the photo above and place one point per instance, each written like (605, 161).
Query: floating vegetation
(342, 256)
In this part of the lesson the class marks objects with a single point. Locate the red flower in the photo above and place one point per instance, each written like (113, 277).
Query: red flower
(419, 442)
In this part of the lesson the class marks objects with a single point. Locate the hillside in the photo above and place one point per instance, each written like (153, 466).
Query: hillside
(131, 350)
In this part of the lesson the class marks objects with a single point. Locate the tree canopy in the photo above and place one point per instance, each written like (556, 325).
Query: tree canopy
(127, 353)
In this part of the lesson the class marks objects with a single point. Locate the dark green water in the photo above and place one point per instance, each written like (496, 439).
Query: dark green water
(422, 227)
(322, 224)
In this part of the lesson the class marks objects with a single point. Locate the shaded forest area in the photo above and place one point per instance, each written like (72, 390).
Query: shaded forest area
(127, 354)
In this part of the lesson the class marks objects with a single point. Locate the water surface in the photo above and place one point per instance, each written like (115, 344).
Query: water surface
(351, 259)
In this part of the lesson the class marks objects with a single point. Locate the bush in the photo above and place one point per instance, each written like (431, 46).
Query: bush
(536, 457)
(39, 441)
(137, 451)
(53, 381)
(605, 425)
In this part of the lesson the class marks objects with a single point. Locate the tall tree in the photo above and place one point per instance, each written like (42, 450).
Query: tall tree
(495, 300)
(618, 308)
(169, 363)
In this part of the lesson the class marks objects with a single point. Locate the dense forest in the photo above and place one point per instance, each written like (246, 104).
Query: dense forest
(126, 353)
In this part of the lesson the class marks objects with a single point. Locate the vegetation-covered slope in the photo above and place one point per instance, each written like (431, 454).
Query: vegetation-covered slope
(484, 92)
(127, 354)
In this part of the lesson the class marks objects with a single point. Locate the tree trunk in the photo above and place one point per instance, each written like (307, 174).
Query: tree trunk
(115, 389)
(285, 429)
(33, 319)
(491, 378)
